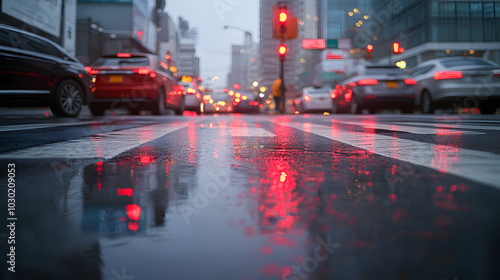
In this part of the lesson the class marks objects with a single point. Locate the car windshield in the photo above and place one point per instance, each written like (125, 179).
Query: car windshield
(466, 62)
(117, 61)
(319, 91)
(187, 85)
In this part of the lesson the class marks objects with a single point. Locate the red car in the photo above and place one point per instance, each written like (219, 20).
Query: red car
(134, 81)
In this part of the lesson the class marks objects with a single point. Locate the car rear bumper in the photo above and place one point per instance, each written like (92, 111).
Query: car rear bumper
(450, 93)
(125, 92)
(191, 102)
(119, 103)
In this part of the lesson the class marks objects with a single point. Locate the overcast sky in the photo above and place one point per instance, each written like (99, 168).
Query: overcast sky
(214, 44)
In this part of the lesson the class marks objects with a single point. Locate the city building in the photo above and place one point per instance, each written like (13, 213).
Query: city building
(109, 26)
(168, 41)
(237, 72)
(432, 29)
(188, 63)
(308, 29)
(340, 21)
(54, 20)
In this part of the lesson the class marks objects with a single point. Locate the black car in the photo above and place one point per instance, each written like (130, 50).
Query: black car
(246, 102)
(35, 71)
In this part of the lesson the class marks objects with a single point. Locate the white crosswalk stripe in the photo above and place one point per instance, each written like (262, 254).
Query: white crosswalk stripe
(477, 166)
(103, 145)
(453, 126)
(37, 126)
(445, 130)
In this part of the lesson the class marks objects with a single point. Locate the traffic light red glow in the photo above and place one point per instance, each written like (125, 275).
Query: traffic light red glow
(282, 50)
(369, 48)
(283, 17)
(395, 47)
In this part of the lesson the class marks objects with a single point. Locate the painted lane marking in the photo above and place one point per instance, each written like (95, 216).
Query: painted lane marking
(102, 145)
(477, 166)
(37, 126)
(410, 129)
(453, 126)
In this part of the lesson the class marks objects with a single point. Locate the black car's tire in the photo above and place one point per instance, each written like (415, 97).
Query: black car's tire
(68, 99)
(179, 111)
(158, 107)
(354, 107)
(97, 110)
(427, 104)
(488, 107)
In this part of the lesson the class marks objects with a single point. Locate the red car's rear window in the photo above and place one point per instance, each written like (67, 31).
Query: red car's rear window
(122, 61)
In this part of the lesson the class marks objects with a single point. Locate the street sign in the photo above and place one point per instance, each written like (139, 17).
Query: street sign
(332, 44)
(330, 55)
(313, 44)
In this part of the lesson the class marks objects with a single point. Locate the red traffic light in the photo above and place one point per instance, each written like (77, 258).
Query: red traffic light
(282, 17)
(369, 48)
(396, 48)
(282, 49)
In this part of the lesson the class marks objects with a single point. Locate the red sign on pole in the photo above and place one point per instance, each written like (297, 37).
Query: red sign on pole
(313, 44)
(330, 55)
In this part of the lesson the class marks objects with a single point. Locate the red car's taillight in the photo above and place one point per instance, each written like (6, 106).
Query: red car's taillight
(307, 98)
(410, 82)
(445, 75)
(367, 82)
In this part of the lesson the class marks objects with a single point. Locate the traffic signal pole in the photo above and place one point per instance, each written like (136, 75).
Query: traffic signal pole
(282, 85)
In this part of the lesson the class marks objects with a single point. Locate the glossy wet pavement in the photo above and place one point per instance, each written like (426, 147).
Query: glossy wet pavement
(257, 197)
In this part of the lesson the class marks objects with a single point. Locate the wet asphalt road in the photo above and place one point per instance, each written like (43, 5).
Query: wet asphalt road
(253, 197)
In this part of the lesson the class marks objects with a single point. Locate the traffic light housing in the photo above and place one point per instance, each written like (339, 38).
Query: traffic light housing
(396, 48)
(284, 25)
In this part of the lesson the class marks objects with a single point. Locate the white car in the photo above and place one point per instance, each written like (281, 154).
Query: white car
(193, 99)
(314, 99)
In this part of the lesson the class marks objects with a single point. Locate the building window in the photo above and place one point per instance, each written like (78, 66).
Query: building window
(463, 10)
(463, 30)
(477, 30)
(489, 30)
(447, 9)
(497, 10)
(476, 10)
(489, 10)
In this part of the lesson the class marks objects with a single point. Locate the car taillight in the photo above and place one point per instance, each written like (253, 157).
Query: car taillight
(367, 82)
(123, 55)
(191, 91)
(445, 75)
(496, 73)
(133, 212)
(307, 98)
(88, 69)
(410, 82)
(142, 71)
(333, 94)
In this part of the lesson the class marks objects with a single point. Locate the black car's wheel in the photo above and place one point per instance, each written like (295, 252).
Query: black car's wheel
(488, 107)
(158, 107)
(179, 111)
(97, 110)
(427, 104)
(355, 108)
(68, 99)
(198, 110)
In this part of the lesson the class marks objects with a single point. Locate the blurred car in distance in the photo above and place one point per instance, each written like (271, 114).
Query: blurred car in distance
(193, 98)
(218, 103)
(314, 99)
(36, 72)
(134, 81)
(374, 87)
(466, 81)
(247, 102)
